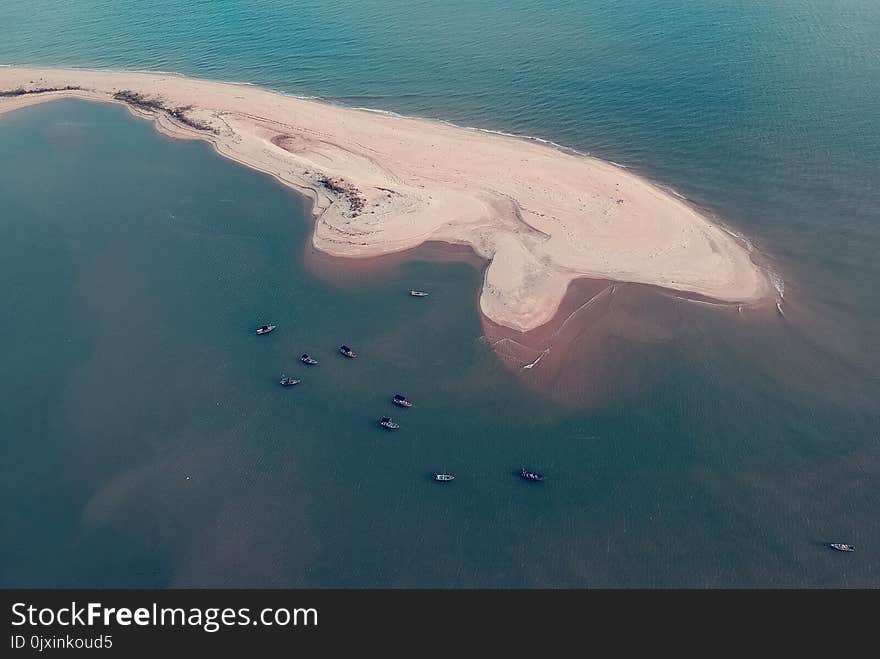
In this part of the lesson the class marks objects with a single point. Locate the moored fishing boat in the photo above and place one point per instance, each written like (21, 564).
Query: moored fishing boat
(287, 381)
(347, 352)
(418, 293)
(444, 478)
(842, 546)
(265, 329)
(387, 423)
(530, 475)
(308, 360)
(401, 401)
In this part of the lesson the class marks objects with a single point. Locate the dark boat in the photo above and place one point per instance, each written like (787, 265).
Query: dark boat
(444, 478)
(418, 293)
(306, 359)
(530, 475)
(265, 329)
(841, 546)
(387, 423)
(347, 352)
(287, 381)
(401, 401)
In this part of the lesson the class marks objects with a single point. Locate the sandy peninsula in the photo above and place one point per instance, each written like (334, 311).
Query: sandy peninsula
(540, 216)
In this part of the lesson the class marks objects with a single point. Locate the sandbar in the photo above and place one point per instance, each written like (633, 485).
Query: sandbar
(540, 216)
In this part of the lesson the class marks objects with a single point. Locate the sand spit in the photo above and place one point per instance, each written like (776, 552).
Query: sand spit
(381, 183)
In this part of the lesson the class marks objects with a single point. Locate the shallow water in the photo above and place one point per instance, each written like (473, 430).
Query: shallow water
(138, 267)
(684, 445)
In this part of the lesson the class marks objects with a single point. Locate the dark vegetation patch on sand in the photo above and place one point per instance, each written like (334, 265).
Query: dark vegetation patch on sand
(21, 91)
(356, 200)
(155, 105)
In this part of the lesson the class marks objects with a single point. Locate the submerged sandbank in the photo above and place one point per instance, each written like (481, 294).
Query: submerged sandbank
(380, 183)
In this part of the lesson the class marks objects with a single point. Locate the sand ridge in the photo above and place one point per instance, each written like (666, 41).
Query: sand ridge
(382, 183)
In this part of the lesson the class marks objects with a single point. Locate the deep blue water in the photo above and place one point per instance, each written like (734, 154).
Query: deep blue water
(742, 449)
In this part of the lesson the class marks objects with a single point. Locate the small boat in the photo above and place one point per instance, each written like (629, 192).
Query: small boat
(265, 329)
(386, 422)
(444, 478)
(401, 401)
(530, 475)
(418, 293)
(348, 352)
(287, 381)
(306, 359)
(840, 546)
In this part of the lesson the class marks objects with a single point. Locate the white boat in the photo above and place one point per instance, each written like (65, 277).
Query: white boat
(418, 293)
(388, 423)
(841, 546)
(444, 478)
(265, 329)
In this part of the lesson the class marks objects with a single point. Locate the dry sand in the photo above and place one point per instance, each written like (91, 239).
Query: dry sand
(381, 183)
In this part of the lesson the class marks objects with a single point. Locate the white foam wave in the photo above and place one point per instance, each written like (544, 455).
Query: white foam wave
(778, 284)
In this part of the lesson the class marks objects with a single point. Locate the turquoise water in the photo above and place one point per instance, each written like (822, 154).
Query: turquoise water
(724, 454)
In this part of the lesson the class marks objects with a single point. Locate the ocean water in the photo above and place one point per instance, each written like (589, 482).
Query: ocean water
(719, 449)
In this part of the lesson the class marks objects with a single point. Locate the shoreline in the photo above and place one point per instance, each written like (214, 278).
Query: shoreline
(538, 214)
(335, 103)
